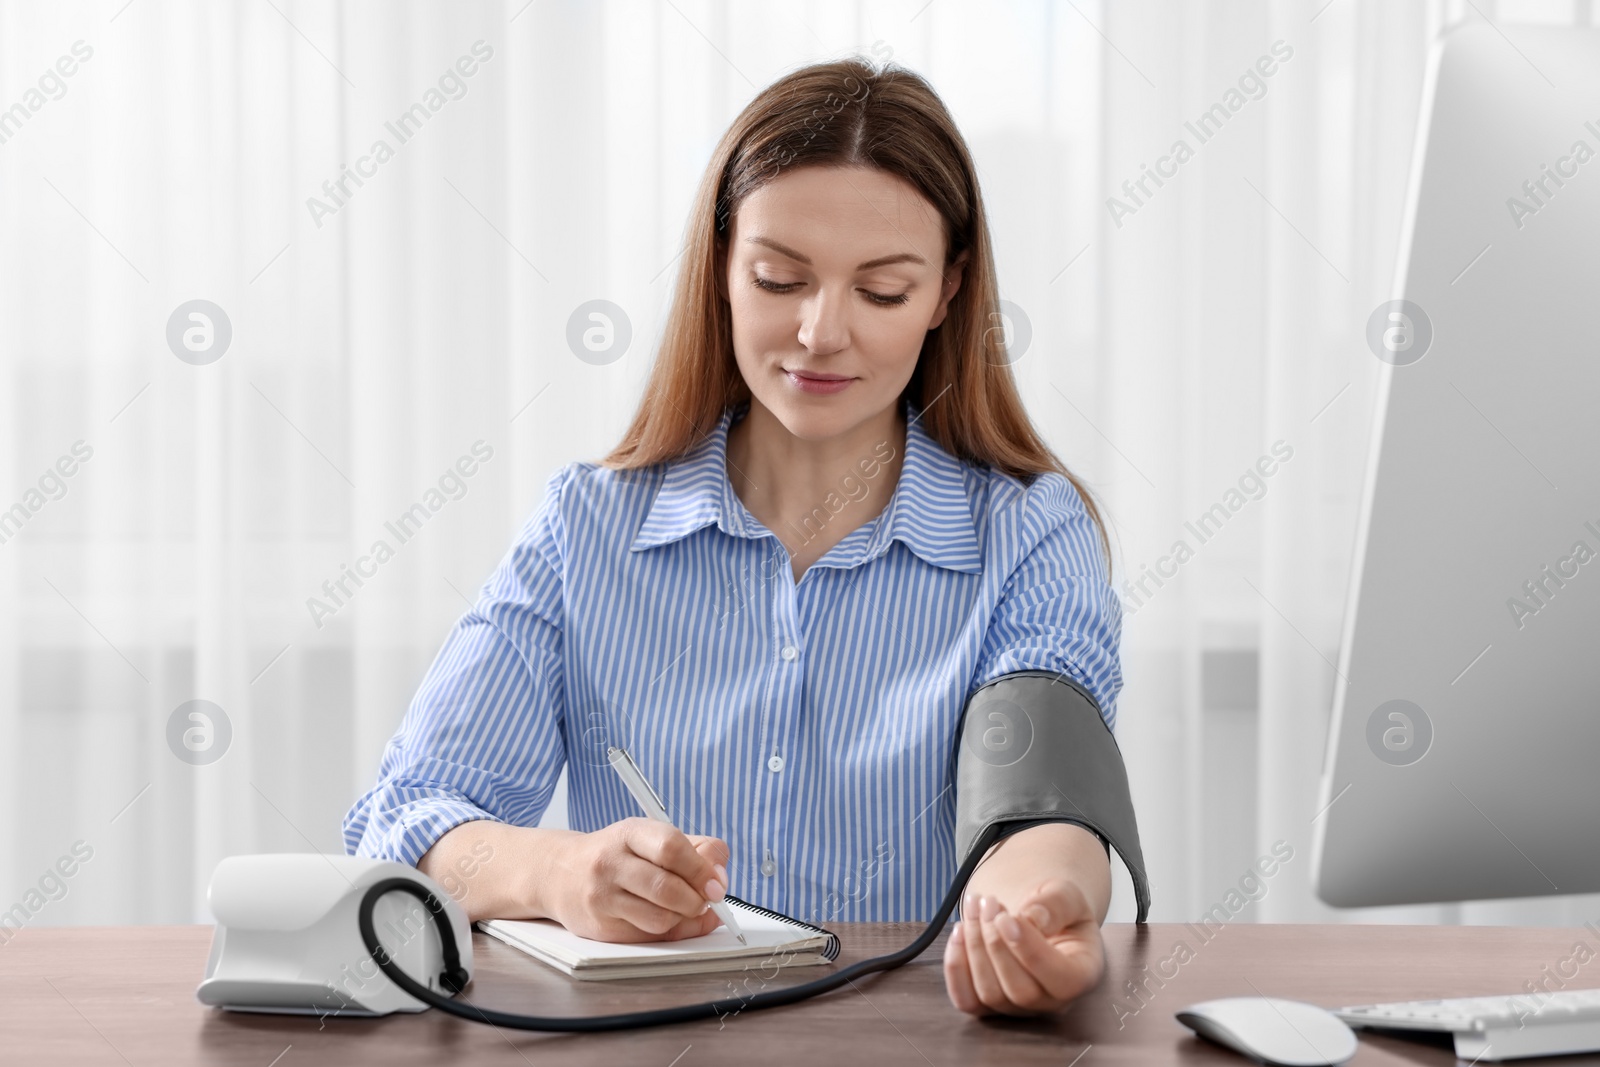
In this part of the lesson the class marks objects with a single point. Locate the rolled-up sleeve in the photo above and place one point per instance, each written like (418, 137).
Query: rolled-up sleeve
(1058, 611)
(483, 737)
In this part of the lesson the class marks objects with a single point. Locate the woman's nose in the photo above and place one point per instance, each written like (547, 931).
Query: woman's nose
(824, 321)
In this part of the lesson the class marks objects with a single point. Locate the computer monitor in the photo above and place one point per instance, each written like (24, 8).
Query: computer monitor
(1463, 758)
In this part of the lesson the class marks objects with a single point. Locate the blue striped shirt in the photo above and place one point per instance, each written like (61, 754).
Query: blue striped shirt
(808, 724)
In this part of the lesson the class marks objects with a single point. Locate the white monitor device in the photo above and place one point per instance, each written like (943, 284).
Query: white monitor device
(1463, 757)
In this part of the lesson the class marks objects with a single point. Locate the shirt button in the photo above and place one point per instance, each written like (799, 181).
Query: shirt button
(768, 868)
(775, 763)
(789, 652)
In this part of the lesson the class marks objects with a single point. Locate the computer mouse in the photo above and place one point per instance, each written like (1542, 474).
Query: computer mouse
(1272, 1030)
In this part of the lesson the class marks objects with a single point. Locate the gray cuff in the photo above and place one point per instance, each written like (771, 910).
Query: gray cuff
(1034, 748)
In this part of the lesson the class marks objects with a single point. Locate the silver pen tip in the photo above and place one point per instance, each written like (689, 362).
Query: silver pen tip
(742, 941)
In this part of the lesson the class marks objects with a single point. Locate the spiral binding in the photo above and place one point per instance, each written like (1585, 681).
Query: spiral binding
(830, 951)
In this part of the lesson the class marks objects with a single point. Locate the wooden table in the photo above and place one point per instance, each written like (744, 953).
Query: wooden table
(125, 995)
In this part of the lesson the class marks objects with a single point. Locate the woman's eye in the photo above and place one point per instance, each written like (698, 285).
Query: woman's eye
(888, 301)
(877, 298)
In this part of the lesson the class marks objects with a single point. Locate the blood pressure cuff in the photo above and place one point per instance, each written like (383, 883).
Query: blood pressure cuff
(1034, 748)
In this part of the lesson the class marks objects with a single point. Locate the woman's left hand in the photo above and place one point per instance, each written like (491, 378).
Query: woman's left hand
(1034, 959)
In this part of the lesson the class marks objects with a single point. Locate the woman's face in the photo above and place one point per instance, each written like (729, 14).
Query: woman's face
(834, 278)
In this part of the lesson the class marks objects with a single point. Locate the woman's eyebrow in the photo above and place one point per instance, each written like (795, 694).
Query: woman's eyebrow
(881, 261)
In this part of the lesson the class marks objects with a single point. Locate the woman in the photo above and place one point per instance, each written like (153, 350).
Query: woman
(829, 522)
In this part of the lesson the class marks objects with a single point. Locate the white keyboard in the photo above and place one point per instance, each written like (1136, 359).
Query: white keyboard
(1496, 1028)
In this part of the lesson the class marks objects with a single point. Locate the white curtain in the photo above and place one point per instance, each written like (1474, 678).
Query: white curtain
(386, 329)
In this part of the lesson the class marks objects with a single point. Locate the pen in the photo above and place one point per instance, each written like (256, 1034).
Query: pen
(634, 779)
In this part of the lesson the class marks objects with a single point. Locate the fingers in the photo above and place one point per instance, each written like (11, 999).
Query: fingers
(1064, 967)
(1020, 988)
(1031, 953)
(643, 880)
(715, 850)
(712, 848)
(1056, 905)
(984, 981)
(698, 926)
(671, 850)
(998, 962)
(958, 974)
(1069, 956)
(664, 890)
(646, 920)
(663, 867)
(1000, 981)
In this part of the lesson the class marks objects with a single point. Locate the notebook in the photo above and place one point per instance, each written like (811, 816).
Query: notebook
(774, 940)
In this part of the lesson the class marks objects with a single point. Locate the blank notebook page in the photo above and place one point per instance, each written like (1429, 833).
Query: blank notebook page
(583, 957)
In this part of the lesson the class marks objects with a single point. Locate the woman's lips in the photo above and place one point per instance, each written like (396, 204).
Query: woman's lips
(817, 384)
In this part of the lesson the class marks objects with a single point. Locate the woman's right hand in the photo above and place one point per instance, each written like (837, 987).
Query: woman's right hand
(638, 880)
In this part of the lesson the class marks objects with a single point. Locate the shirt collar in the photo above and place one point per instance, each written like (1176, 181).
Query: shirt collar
(929, 511)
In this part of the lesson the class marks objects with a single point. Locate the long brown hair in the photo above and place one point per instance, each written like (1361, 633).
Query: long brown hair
(840, 114)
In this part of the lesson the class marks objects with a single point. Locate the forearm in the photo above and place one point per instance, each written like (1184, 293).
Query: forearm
(1019, 864)
(495, 870)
